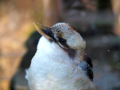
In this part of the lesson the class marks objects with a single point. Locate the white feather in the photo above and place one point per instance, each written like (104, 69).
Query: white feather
(52, 69)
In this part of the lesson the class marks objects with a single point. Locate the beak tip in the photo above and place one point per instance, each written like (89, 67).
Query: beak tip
(33, 23)
(37, 25)
(42, 30)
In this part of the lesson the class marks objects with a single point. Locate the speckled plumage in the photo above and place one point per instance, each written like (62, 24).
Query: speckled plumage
(52, 68)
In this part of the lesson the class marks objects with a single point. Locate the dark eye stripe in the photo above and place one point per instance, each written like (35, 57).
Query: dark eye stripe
(71, 52)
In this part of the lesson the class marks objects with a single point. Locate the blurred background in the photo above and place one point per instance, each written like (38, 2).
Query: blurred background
(98, 21)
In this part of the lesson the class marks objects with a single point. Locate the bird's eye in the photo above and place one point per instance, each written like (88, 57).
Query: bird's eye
(61, 40)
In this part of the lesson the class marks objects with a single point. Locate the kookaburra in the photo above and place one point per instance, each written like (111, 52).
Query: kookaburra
(60, 62)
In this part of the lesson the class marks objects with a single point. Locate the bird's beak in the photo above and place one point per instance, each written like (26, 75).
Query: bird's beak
(44, 31)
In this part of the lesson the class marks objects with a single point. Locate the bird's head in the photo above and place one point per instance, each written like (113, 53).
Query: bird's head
(65, 36)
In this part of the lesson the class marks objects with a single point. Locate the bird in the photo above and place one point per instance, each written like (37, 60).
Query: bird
(60, 62)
